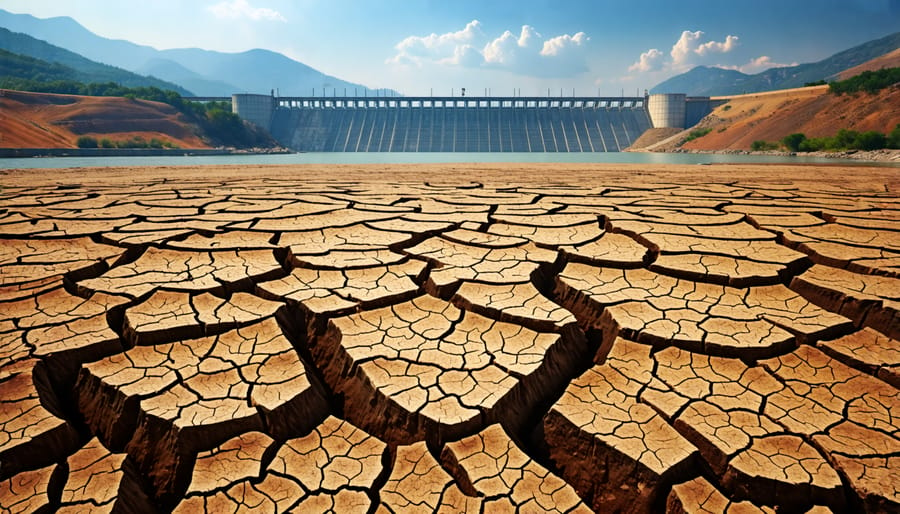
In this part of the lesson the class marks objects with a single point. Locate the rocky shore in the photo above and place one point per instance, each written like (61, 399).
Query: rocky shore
(884, 155)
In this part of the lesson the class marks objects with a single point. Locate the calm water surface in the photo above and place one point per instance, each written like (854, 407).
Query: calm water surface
(413, 158)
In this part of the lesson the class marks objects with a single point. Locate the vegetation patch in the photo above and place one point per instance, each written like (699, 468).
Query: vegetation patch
(844, 140)
(762, 146)
(696, 133)
(868, 81)
(135, 142)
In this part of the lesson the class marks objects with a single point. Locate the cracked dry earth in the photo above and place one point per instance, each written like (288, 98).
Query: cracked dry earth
(335, 344)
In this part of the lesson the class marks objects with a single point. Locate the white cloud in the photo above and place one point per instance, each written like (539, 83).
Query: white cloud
(439, 48)
(241, 9)
(564, 43)
(527, 53)
(761, 63)
(711, 47)
(689, 50)
(465, 55)
(503, 50)
(651, 60)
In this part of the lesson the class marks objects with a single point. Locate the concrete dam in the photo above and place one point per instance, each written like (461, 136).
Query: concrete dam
(463, 124)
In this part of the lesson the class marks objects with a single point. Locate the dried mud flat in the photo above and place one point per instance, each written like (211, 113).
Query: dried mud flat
(455, 338)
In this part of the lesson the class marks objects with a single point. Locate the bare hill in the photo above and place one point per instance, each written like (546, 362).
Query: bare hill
(811, 110)
(39, 120)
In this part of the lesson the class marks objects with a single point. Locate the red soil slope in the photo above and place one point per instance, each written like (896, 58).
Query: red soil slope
(812, 111)
(38, 120)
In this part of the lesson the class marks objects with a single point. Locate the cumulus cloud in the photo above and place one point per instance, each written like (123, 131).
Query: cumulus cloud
(241, 9)
(651, 60)
(711, 47)
(564, 43)
(526, 53)
(761, 63)
(438, 47)
(690, 48)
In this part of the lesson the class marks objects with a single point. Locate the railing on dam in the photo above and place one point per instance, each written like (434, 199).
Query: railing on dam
(460, 124)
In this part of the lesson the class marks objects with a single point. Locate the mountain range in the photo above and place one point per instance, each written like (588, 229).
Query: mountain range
(26, 57)
(712, 81)
(202, 72)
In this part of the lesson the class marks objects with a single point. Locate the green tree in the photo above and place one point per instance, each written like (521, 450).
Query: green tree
(868, 81)
(87, 142)
(870, 140)
(793, 141)
(893, 139)
(844, 139)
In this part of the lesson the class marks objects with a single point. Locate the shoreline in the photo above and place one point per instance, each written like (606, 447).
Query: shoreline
(837, 176)
(134, 152)
(884, 155)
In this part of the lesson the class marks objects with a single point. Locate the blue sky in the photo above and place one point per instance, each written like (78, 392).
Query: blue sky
(420, 46)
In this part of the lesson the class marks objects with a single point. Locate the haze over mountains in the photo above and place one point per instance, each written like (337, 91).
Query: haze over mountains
(202, 72)
(50, 63)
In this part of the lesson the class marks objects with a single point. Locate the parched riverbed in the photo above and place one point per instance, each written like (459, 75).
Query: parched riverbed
(457, 337)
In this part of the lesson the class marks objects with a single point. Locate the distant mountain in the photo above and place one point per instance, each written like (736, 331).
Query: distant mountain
(187, 78)
(888, 60)
(74, 66)
(206, 73)
(703, 80)
(259, 71)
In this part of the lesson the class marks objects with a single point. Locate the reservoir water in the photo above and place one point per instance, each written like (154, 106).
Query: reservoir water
(423, 157)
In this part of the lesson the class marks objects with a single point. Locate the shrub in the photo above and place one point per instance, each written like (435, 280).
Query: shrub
(793, 141)
(893, 139)
(870, 140)
(106, 143)
(844, 139)
(696, 133)
(87, 142)
(816, 144)
(761, 146)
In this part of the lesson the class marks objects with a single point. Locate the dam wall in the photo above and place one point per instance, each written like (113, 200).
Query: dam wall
(458, 124)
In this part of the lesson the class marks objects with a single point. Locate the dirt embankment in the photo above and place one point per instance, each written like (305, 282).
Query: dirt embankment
(39, 120)
(812, 111)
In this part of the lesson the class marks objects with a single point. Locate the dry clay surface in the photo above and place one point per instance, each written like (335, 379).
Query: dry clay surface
(331, 340)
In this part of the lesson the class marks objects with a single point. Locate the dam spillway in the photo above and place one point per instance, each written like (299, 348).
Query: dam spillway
(450, 124)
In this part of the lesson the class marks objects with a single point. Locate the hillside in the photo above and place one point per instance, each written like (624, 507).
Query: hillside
(888, 60)
(204, 72)
(37, 120)
(812, 111)
(15, 66)
(76, 67)
(711, 81)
